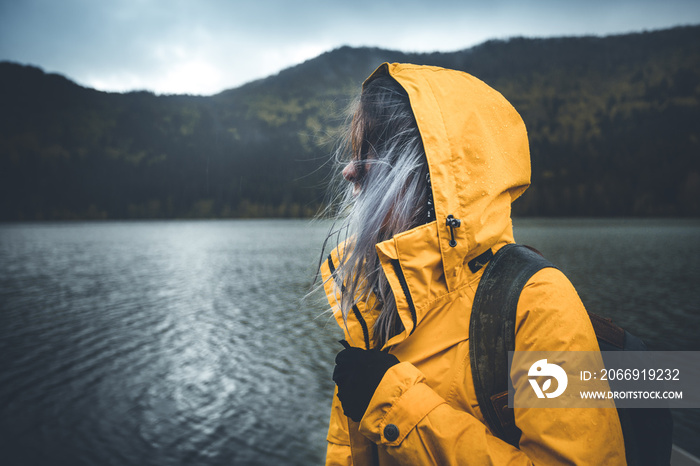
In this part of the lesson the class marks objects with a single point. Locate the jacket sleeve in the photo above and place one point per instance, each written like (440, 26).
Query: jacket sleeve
(415, 425)
(338, 449)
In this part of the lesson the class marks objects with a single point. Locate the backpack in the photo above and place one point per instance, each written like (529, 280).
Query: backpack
(647, 432)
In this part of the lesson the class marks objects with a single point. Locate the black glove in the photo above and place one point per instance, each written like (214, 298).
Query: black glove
(358, 373)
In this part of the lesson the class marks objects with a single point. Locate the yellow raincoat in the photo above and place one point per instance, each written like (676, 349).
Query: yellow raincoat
(477, 151)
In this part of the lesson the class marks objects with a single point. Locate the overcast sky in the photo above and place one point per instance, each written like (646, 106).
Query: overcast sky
(205, 46)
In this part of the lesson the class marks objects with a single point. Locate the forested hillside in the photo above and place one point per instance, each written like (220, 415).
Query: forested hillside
(614, 127)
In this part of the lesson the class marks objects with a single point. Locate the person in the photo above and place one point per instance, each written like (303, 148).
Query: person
(436, 159)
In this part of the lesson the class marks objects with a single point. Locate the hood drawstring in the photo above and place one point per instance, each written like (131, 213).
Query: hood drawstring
(453, 223)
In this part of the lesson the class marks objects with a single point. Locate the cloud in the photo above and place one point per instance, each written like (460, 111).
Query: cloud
(205, 46)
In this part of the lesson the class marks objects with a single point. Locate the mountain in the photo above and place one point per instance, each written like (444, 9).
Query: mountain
(614, 126)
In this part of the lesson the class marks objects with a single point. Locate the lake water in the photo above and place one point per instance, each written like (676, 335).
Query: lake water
(189, 342)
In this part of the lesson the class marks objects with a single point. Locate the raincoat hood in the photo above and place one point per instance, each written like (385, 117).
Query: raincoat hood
(478, 156)
(477, 151)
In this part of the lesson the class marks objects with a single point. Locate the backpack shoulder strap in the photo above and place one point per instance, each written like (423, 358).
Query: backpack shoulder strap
(492, 332)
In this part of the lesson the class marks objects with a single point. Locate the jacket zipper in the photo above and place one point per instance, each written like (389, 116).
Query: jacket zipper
(355, 310)
(363, 324)
(404, 286)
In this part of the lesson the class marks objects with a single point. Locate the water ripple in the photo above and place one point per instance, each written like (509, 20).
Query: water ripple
(172, 343)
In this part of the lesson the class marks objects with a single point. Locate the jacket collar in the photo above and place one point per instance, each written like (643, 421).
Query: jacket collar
(413, 266)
